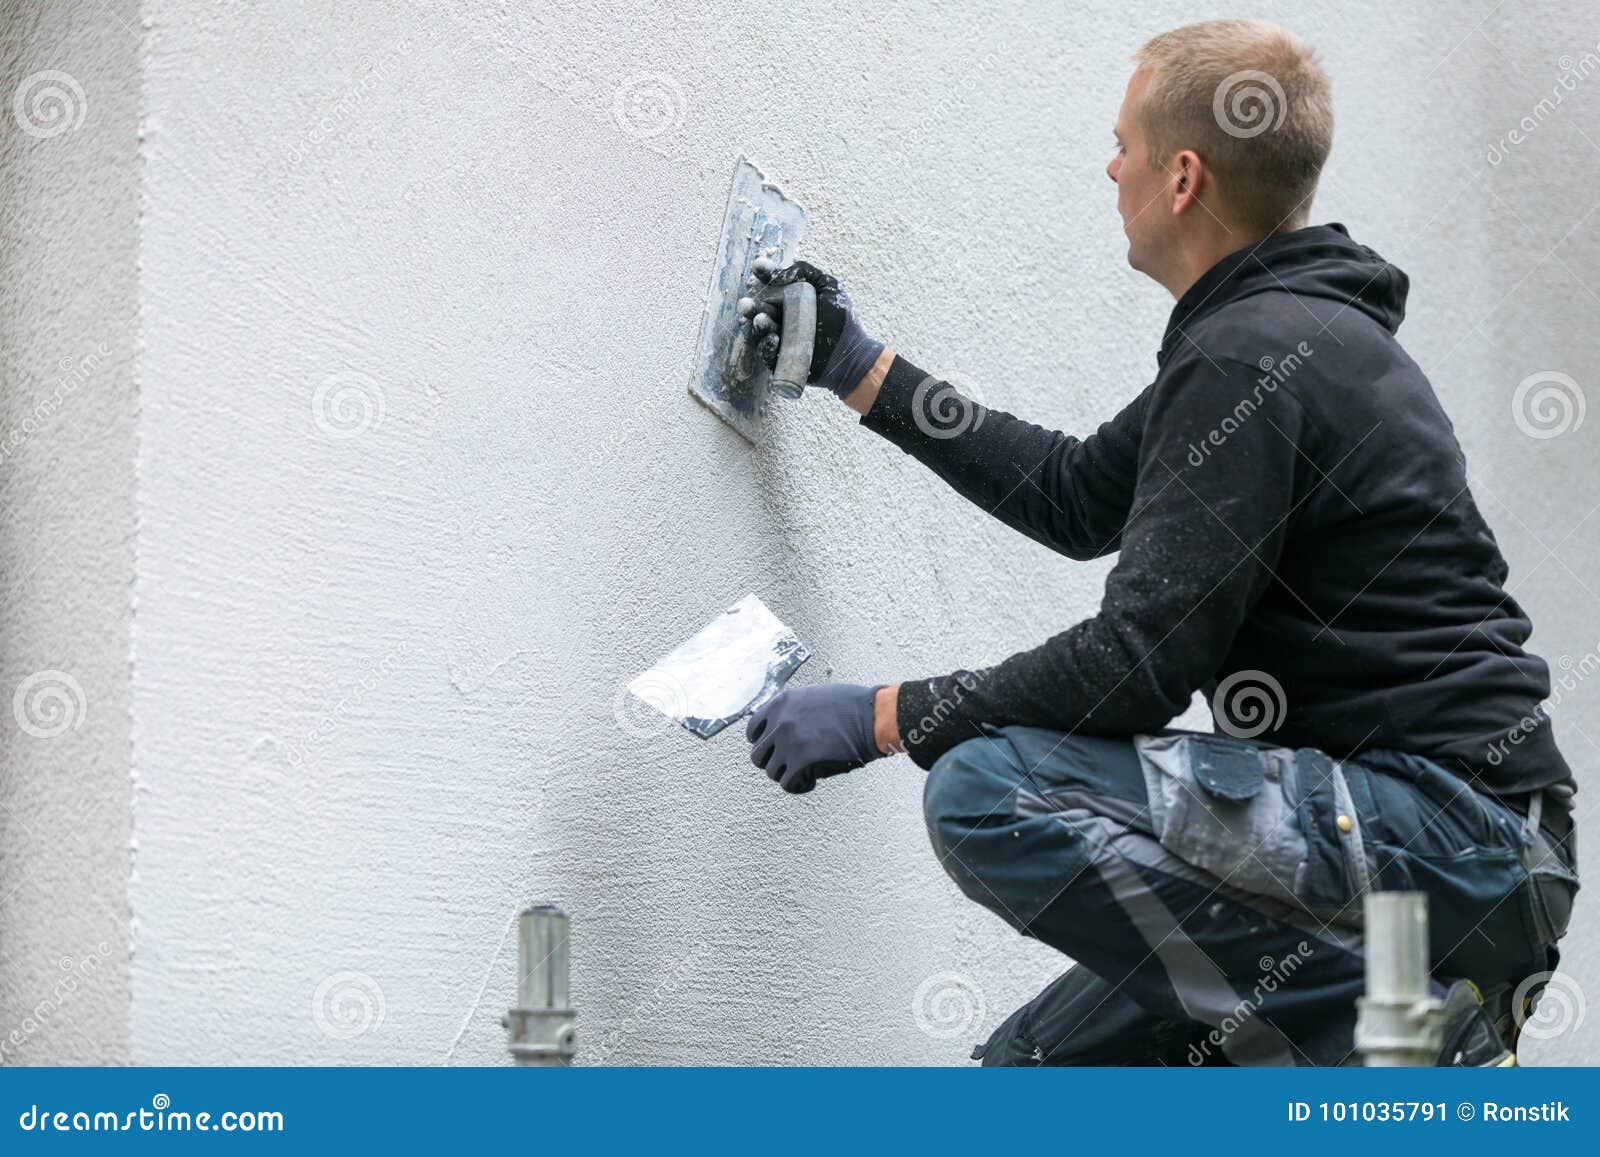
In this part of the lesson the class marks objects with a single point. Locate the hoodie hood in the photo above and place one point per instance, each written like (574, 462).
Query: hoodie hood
(1318, 261)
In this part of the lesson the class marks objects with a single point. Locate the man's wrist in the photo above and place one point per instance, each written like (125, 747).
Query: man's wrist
(885, 722)
(861, 398)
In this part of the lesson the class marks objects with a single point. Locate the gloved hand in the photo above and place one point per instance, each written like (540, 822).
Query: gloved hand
(809, 733)
(843, 352)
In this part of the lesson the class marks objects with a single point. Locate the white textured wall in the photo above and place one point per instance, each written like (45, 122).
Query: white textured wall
(419, 486)
(1530, 223)
(68, 229)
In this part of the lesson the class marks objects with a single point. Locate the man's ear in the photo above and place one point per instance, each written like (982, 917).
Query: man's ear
(1188, 174)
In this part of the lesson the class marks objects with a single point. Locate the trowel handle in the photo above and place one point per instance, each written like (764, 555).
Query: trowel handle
(799, 300)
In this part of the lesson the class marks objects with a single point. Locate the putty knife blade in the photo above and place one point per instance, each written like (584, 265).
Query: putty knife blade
(727, 670)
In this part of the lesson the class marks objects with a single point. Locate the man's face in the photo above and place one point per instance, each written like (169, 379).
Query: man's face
(1141, 183)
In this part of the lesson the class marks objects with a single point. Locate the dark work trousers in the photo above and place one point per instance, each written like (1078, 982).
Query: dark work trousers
(1210, 888)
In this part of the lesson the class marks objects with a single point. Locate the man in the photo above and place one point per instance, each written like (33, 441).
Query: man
(1298, 541)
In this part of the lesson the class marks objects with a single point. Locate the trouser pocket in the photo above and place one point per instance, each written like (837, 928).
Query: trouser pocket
(1499, 894)
(1552, 877)
(1253, 816)
(1553, 894)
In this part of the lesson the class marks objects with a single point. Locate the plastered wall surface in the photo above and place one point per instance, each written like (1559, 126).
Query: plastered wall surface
(419, 486)
(1529, 331)
(68, 231)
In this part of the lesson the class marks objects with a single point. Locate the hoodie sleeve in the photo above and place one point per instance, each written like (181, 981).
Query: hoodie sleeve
(1217, 472)
(1068, 494)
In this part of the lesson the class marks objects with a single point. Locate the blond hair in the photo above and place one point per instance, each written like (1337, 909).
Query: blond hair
(1253, 101)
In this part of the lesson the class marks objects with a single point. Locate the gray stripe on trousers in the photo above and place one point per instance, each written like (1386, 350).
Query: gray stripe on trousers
(1202, 990)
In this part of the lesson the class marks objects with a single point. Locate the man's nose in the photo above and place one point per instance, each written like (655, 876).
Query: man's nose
(1112, 168)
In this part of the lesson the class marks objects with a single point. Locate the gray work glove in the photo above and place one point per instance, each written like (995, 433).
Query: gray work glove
(809, 733)
(843, 352)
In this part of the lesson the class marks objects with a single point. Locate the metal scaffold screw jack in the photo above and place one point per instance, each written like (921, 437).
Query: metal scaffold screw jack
(1398, 1021)
(542, 1028)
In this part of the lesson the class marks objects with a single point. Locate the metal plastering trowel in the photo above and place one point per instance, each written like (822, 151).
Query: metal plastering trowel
(727, 670)
(730, 377)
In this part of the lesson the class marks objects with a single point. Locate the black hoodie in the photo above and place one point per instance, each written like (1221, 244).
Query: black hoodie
(1296, 532)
